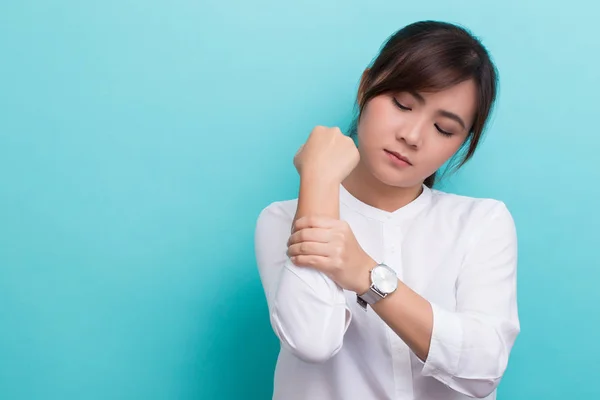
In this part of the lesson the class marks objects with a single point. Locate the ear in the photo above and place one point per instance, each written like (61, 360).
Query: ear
(362, 87)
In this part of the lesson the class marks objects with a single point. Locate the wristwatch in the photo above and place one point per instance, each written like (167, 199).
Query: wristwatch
(383, 282)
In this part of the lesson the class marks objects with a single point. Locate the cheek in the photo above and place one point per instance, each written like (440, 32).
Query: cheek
(443, 149)
(367, 129)
(377, 122)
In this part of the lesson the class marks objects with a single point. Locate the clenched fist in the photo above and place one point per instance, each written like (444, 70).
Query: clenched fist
(328, 154)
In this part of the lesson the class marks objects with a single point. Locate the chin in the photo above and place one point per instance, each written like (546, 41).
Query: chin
(401, 179)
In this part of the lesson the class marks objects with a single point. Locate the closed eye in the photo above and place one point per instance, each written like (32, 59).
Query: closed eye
(400, 106)
(443, 132)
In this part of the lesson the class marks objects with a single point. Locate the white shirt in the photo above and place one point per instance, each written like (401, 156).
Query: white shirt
(457, 252)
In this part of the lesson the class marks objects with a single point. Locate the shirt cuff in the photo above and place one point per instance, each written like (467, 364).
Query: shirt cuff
(445, 346)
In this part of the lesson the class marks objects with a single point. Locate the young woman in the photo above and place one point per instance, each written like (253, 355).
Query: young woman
(378, 285)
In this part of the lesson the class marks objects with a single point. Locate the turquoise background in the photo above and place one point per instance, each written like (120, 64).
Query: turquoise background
(139, 140)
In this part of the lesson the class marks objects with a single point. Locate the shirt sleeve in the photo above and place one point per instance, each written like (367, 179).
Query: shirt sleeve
(308, 311)
(470, 346)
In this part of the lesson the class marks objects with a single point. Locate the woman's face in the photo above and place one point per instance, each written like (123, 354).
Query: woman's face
(406, 137)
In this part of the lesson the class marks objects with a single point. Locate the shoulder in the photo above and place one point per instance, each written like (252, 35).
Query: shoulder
(473, 212)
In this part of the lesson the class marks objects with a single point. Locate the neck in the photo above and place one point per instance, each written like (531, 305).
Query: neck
(368, 189)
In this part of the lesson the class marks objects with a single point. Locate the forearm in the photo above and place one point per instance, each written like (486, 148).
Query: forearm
(318, 197)
(467, 352)
(309, 312)
(407, 313)
(410, 316)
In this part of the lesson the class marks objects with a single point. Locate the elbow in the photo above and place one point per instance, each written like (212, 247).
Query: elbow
(481, 388)
(310, 327)
(478, 388)
(492, 366)
(487, 364)
(470, 353)
(478, 374)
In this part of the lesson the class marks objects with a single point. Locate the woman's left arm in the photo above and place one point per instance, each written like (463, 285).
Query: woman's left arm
(466, 348)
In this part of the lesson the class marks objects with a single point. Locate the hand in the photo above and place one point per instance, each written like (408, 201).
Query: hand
(329, 245)
(328, 154)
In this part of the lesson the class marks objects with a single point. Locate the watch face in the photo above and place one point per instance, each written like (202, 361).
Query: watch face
(384, 278)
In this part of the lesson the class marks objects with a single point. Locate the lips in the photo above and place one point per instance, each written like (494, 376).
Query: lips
(399, 156)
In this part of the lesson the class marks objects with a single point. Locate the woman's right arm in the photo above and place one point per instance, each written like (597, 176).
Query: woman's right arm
(308, 311)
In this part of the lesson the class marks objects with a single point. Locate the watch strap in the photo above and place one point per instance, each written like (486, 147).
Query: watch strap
(371, 297)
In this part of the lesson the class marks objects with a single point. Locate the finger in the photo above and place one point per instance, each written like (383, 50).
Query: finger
(309, 248)
(314, 221)
(310, 235)
(318, 262)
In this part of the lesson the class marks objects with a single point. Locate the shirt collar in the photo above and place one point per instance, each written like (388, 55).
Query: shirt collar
(407, 211)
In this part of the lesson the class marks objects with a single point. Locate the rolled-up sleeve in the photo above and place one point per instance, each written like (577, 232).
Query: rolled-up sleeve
(308, 311)
(470, 346)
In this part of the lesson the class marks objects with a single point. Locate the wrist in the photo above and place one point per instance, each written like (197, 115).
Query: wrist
(363, 283)
(319, 178)
(318, 196)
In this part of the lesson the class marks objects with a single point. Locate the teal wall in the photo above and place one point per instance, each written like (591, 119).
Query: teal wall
(140, 139)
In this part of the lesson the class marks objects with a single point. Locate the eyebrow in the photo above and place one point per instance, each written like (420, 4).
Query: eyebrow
(443, 113)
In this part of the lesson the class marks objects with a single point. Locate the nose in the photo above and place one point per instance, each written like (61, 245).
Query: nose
(412, 134)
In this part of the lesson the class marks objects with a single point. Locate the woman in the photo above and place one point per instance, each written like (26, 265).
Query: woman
(387, 288)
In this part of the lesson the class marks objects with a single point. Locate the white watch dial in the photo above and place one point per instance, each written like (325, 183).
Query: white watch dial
(384, 278)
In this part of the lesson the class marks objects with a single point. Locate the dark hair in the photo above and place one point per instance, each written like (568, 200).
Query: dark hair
(432, 56)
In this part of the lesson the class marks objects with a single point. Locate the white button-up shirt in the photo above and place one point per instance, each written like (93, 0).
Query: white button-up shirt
(457, 252)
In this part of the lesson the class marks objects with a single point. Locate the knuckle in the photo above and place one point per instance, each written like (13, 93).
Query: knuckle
(319, 129)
